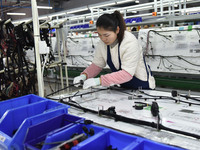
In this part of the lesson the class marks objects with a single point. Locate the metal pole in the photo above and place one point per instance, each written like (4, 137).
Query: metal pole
(37, 55)
(65, 61)
(155, 6)
(59, 56)
(161, 7)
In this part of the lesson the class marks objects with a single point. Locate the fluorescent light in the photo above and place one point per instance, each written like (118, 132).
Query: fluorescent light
(137, 1)
(44, 7)
(124, 1)
(18, 14)
(103, 5)
(74, 11)
(175, 5)
(132, 10)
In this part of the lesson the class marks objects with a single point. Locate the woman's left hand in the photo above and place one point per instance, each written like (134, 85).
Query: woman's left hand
(91, 83)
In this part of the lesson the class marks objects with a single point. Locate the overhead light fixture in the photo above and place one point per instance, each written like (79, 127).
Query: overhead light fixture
(58, 14)
(137, 1)
(175, 5)
(79, 10)
(17, 14)
(125, 1)
(103, 5)
(134, 12)
(44, 7)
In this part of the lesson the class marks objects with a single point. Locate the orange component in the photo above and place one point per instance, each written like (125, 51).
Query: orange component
(91, 22)
(154, 13)
(138, 28)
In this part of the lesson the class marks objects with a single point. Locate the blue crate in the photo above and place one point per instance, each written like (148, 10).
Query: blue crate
(14, 122)
(145, 144)
(102, 139)
(19, 102)
(107, 138)
(46, 131)
(63, 135)
(121, 141)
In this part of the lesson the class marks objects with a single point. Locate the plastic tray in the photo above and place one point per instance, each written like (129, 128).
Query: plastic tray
(14, 122)
(103, 139)
(45, 132)
(19, 102)
(63, 135)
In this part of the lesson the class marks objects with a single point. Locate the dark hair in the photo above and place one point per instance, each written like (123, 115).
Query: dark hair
(110, 22)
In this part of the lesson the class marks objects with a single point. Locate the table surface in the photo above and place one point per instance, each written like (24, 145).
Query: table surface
(174, 114)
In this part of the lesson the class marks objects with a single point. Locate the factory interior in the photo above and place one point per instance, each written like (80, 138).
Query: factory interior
(100, 75)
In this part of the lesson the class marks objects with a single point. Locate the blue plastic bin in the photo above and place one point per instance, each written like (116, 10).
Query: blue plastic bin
(62, 135)
(151, 145)
(19, 102)
(107, 139)
(103, 139)
(14, 122)
(45, 132)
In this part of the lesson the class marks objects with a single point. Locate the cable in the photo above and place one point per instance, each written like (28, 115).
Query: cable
(81, 83)
(131, 120)
(77, 95)
(188, 61)
(157, 32)
(170, 98)
(179, 57)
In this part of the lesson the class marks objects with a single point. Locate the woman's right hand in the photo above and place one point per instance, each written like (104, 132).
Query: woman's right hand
(79, 80)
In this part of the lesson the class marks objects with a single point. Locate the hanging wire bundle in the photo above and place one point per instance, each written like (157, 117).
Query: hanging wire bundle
(17, 75)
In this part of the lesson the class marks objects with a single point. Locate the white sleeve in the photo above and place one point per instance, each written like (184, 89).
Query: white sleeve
(130, 56)
(99, 55)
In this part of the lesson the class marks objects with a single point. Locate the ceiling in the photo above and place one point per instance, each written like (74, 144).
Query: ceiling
(19, 6)
(24, 6)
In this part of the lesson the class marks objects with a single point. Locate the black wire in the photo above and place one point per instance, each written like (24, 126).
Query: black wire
(188, 61)
(134, 121)
(157, 32)
(155, 97)
(81, 82)
(165, 57)
(81, 94)
(80, 62)
(76, 42)
(171, 98)
(85, 59)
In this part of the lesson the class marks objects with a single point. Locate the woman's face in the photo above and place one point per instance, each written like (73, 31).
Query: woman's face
(108, 37)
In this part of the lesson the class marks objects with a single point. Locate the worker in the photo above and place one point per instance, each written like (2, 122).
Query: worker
(121, 51)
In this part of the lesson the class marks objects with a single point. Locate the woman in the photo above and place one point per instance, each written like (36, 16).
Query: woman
(120, 50)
